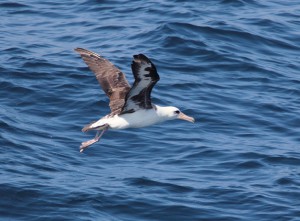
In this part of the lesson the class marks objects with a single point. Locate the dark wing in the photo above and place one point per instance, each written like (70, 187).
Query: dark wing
(145, 76)
(110, 78)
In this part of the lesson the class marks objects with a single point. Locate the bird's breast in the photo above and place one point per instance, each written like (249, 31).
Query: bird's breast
(140, 118)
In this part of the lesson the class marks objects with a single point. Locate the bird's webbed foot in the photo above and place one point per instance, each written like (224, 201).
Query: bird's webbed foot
(88, 143)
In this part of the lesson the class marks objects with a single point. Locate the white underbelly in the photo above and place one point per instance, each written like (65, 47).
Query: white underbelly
(141, 118)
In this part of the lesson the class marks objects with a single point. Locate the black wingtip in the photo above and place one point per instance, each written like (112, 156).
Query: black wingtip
(141, 57)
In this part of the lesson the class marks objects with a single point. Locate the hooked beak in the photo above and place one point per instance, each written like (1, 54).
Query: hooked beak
(182, 116)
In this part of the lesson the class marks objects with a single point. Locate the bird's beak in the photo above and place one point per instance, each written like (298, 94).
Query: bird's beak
(182, 116)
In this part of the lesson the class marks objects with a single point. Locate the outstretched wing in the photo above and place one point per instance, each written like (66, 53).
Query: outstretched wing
(110, 78)
(146, 76)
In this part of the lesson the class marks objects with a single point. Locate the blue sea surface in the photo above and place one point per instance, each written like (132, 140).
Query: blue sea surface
(234, 65)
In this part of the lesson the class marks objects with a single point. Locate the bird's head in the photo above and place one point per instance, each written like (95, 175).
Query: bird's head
(174, 113)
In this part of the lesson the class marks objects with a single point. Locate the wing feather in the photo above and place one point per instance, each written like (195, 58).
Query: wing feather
(146, 76)
(111, 79)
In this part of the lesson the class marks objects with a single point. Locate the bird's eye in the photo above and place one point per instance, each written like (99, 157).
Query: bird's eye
(177, 112)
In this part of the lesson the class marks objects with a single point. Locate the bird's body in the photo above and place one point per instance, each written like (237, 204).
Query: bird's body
(141, 118)
(131, 107)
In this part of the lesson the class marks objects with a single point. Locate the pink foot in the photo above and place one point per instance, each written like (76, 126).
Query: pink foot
(86, 144)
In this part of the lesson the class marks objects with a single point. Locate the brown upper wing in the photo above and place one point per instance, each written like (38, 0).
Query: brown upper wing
(110, 78)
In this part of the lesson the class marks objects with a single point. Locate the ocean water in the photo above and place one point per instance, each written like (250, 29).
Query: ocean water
(231, 64)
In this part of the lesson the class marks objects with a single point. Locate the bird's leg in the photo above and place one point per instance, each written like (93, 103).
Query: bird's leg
(88, 143)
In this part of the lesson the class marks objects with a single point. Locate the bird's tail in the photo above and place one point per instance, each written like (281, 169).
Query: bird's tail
(90, 126)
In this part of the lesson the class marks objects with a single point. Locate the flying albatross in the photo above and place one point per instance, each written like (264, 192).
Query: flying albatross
(130, 107)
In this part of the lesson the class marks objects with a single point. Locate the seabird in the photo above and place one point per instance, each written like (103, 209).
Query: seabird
(131, 107)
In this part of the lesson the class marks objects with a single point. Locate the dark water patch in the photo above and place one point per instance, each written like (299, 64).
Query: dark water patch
(285, 181)
(242, 3)
(15, 90)
(15, 50)
(283, 160)
(39, 64)
(238, 3)
(21, 76)
(252, 155)
(146, 183)
(12, 5)
(268, 24)
(27, 12)
(250, 165)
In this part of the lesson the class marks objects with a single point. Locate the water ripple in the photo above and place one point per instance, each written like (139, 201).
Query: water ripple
(233, 65)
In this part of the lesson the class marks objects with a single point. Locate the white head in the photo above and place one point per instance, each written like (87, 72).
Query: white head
(171, 113)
